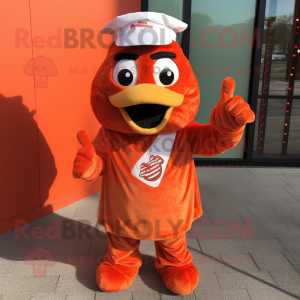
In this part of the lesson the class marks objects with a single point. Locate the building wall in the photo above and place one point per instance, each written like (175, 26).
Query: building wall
(42, 110)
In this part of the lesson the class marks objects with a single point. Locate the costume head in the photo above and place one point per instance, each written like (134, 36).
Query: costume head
(145, 84)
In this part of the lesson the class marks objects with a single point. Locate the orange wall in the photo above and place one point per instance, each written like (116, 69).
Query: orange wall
(40, 115)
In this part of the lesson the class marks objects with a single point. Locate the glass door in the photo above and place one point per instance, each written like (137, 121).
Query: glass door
(277, 128)
(220, 47)
(256, 42)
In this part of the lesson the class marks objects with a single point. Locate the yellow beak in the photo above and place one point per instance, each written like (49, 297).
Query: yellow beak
(146, 94)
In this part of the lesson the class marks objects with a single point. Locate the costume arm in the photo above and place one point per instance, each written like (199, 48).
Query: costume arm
(227, 123)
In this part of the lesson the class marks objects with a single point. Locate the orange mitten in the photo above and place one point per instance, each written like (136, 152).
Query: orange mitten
(231, 112)
(87, 164)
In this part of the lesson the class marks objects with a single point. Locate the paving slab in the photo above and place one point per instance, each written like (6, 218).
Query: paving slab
(126, 295)
(269, 293)
(15, 297)
(178, 297)
(239, 280)
(146, 295)
(222, 294)
(272, 262)
(49, 296)
(26, 284)
(80, 296)
(286, 278)
(83, 283)
(208, 281)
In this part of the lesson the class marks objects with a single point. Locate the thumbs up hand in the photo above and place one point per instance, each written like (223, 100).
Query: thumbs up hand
(231, 112)
(87, 164)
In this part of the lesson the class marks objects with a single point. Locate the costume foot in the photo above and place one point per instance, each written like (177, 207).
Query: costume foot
(114, 278)
(180, 280)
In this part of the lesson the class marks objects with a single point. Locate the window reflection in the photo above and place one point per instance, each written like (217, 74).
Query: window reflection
(293, 147)
(274, 131)
(170, 7)
(221, 46)
(273, 135)
(278, 124)
(276, 49)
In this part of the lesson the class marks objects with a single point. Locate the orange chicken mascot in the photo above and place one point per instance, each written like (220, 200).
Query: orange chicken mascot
(145, 95)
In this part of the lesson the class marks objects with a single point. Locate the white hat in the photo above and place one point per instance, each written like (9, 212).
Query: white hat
(144, 28)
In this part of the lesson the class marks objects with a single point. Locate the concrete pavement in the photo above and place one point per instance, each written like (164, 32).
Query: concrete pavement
(245, 246)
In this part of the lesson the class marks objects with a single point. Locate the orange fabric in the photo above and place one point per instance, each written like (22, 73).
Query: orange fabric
(128, 207)
(181, 280)
(122, 262)
(123, 251)
(114, 278)
(120, 265)
(174, 264)
(172, 253)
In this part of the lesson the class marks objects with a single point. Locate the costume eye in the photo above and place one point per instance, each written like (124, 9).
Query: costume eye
(165, 72)
(125, 73)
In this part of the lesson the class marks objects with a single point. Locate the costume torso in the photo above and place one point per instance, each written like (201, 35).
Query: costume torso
(146, 192)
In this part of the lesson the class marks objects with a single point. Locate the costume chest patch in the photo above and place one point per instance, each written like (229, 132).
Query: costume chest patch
(151, 166)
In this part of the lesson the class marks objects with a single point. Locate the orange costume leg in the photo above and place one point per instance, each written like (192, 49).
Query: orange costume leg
(120, 265)
(174, 264)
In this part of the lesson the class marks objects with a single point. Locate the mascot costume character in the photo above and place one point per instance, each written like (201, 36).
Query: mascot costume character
(145, 95)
